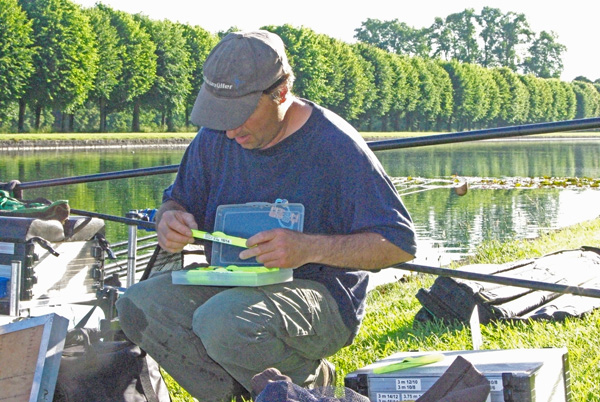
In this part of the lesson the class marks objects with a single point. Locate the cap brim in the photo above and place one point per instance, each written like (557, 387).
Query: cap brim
(221, 113)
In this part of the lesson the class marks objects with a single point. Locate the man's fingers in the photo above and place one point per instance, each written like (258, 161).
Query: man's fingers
(188, 220)
(174, 230)
(261, 237)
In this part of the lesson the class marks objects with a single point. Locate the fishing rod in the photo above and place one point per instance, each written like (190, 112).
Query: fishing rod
(501, 280)
(486, 134)
(475, 135)
(122, 174)
(128, 221)
(380, 145)
(456, 273)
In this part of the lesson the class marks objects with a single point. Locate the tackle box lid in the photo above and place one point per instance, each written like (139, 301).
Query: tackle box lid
(246, 220)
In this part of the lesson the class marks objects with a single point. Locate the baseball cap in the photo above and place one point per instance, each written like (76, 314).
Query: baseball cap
(236, 72)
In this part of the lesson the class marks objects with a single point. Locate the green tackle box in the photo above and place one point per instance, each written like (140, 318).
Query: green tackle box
(244, 220)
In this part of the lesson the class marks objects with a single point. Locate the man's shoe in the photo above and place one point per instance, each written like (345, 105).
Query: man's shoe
(325, 374)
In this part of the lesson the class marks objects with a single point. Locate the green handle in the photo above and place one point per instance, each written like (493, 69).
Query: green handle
(409, 362)
(220, 237)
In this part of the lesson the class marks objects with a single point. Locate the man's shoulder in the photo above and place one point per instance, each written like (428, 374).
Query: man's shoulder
(333, 126)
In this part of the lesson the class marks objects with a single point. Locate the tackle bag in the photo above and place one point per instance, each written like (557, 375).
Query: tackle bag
(453, 299)
(39, 208)
(107, 371)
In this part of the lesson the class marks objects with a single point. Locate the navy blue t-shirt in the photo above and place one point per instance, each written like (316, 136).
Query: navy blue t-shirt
(326, 166)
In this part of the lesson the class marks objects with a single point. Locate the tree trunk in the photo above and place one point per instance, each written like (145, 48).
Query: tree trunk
(71, 122)
(170, 121)
(38, 115)
(57, 125)
(384, 123)
(135, 123)
(21, 122)
(102, 107)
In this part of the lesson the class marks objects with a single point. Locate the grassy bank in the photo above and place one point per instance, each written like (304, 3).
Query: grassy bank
(120, 137)
(388, 325)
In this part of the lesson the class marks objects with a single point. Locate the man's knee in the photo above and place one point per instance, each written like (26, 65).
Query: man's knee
(130, 310)
(131, 319)
(213, 327)
(227, 322)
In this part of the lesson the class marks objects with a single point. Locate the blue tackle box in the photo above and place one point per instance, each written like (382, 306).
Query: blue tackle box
(244, 220)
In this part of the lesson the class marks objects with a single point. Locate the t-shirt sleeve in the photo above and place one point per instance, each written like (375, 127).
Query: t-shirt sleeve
(190, 175)
(373, 203)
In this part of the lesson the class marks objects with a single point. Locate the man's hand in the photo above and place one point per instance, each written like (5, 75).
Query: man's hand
(283, 248)
(277, 248)
(174, 230)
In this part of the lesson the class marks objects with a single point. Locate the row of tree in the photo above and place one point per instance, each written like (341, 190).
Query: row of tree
(491, 38)
(67, 68)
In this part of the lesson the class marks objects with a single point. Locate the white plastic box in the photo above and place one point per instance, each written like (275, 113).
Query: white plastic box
(515, 375)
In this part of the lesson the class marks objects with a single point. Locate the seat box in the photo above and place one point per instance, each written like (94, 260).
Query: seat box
(60, 263)
(515, 375)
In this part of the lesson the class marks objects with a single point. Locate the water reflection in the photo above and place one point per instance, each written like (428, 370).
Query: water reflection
(528, 158)
(448, 226)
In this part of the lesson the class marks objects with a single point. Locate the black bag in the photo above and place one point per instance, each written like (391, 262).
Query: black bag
(92, 370)
(453, 299)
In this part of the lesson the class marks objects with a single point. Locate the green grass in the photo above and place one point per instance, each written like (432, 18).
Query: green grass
(369, 136)
(388, 325)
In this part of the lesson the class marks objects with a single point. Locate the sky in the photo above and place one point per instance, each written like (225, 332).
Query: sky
(574, 21)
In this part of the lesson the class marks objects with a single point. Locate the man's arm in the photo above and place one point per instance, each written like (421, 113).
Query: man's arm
(173, 226)
(289, 249)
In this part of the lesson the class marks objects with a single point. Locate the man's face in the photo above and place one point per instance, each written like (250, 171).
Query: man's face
(263, 129)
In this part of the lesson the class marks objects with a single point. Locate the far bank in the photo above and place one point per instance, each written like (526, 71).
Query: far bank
(28, 141)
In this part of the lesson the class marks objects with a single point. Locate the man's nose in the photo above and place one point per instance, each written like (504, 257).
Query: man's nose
(231, 134)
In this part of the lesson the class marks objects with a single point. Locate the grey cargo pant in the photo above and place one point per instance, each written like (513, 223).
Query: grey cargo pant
(213, 340)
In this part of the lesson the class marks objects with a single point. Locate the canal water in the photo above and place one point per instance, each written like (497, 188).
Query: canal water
(449, 226)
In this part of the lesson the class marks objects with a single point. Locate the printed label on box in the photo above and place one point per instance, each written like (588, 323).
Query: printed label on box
(495, 384)
(388, 397)
(411, 397)
(408, 384)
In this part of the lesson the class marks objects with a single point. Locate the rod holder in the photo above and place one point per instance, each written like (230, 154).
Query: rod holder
(15, 288)
(131, 248)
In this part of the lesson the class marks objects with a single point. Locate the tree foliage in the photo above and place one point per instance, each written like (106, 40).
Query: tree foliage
(545, 56)
(307, 59)
(346, 81)
(16, 53)
(110, 58)
(490, 38)
(151, 71)
(394, 36)
(588, 100)
(379, 93)
(171, 86)
(66, 58)
(139, 64)
(198, 43)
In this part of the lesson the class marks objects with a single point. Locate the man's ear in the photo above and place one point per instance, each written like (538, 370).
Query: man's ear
(282, 94)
